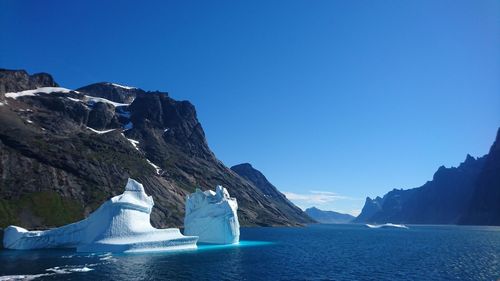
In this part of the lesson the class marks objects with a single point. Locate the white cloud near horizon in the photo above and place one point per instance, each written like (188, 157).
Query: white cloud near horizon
(318, 197)
(322, 200)
(314, 197)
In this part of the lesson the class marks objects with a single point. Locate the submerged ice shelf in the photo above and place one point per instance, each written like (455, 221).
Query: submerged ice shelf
(121, 224)
(212, 216)
(387, 225)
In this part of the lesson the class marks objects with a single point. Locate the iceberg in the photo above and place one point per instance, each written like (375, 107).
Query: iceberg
(121, 224)
(387, 225)
(212, 216)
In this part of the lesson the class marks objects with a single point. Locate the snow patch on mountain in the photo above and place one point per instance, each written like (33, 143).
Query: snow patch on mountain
(73, 99)
(43, 90)
(134, 143)
(157, 168)
(92, 100)
(100, 132)
(122, 86)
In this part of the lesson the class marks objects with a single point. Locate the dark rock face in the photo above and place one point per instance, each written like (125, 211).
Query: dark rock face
(173, 122)
(54, 170)
(371, 207)
(112, 92)
(484, 207)
(442, 200)
(103, 116)
(328, 217)
(19, 80)
(255, 177)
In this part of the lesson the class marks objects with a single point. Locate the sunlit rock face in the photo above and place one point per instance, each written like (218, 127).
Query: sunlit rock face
(121, 224)
(212, 216)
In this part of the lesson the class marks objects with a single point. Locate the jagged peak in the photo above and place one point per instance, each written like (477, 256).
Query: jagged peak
(469, 158)
(121, 86)
(111, 91)
(21, 71)
(496, 143)
(107, 84)
(21, 80)
(133, 185)
(243, 165)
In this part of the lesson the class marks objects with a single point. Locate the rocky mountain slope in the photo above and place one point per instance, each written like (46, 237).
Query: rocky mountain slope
(63, 153)
(371, 207)
(255, 177)
(328, 217)
(19, 80)
(484, 207)
(469, 193)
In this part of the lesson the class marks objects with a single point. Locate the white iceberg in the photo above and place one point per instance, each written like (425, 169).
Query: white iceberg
(212, 216)
(121, 224)
(387, 225)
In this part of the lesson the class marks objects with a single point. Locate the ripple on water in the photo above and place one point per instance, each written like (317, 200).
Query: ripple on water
(319, 252)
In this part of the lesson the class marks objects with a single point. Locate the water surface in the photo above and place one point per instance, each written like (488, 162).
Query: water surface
(317, 252)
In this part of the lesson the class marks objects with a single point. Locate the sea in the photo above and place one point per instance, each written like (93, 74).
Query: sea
(315, 252)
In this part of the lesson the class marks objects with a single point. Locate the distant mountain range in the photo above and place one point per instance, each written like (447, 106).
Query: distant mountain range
(467, 194)
(328, 217)
(64, 152)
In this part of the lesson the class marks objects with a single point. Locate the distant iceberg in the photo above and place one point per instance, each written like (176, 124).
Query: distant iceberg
(121, 224)
(212, 216)
(386, 225)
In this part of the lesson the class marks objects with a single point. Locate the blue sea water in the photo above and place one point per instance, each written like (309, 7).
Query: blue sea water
(316, 252)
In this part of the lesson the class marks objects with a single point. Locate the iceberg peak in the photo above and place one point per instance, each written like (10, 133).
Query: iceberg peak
(212, 215)
(133, 185)
(134, 196)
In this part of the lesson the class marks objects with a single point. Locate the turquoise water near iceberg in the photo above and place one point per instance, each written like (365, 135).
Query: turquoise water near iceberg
(316, 252)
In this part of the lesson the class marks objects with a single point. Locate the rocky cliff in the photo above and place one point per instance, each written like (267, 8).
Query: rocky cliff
(63, 153)
(469, 193)
(19, 80)
(371, 207)
(484, 206)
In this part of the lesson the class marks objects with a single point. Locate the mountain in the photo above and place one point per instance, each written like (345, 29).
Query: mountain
(111, 91)
(484, 207)
(258, 180)
(371, 207)
(328, 217)
(19, 80)
(442, 200)
(64, 152)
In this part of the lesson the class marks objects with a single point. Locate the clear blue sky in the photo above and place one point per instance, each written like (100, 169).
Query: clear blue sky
(332, 100)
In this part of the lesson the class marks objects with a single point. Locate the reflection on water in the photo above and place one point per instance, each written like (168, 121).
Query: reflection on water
(207, 247)
(41, 264)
